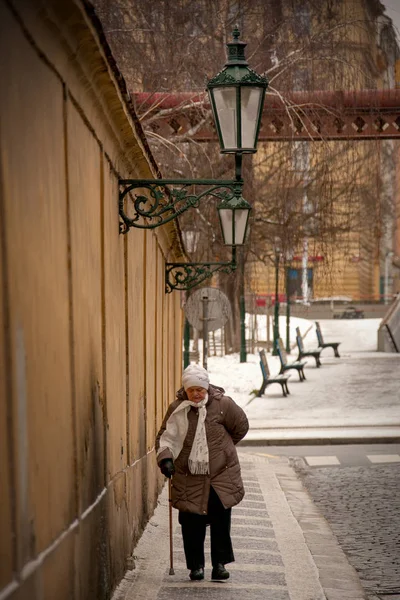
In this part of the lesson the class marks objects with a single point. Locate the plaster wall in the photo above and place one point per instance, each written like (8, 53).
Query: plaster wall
(90, 345)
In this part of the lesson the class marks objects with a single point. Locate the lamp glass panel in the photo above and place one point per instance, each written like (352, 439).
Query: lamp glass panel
(250, 103)
(233, 224)
(241, 216)
(226, 218)
(225, 103)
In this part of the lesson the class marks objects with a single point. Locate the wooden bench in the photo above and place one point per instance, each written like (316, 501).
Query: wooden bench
(315, 353)
(267, 379)
(285, 365)
(322, 344)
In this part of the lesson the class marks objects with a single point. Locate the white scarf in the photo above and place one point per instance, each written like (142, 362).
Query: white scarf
(175, 433)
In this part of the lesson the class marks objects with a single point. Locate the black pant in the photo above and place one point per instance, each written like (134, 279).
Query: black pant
(194, 533)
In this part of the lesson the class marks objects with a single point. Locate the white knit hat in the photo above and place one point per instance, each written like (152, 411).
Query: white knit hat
(195, 376)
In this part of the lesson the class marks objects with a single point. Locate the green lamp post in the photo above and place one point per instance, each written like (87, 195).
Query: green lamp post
(289, 258)
(277, 252)
(237, 97)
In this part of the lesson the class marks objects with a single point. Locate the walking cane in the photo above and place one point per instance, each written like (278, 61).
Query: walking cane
(171, 547)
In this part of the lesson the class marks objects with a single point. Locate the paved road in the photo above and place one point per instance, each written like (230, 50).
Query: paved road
(359, 495)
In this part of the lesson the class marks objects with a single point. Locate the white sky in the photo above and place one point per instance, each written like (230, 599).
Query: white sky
(393, 11)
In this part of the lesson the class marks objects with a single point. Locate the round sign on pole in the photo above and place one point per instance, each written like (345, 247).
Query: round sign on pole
(218, 308)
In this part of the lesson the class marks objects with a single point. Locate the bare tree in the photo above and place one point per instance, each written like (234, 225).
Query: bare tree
(325, 192)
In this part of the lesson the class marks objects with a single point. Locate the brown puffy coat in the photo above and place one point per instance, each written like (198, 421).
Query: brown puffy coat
(226, 424)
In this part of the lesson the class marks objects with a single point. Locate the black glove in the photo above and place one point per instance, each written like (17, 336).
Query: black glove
(167, 467)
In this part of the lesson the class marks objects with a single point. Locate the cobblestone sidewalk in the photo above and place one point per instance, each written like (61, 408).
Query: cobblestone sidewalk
(284, 548)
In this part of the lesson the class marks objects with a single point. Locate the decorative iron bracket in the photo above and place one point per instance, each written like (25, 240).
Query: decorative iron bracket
(185, 276)
(165, 203)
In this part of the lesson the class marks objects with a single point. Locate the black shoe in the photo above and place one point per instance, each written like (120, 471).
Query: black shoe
(197, 574)
(219, 572)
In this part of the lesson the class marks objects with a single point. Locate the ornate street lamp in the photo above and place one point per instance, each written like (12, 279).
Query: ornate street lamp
(191, 238)
(237, 96)
(234, 219)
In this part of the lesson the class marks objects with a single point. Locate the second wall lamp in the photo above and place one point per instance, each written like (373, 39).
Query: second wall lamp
(237, 98)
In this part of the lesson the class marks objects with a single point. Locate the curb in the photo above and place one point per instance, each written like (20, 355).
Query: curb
(323, 441)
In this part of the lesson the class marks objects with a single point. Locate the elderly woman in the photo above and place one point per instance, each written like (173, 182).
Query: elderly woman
(196, 447)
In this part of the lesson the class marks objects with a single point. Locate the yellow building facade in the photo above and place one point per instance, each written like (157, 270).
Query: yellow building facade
(90, 344)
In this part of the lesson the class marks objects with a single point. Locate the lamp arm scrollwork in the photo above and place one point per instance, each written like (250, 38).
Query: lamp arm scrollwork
(166, 201)
(185, 276)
